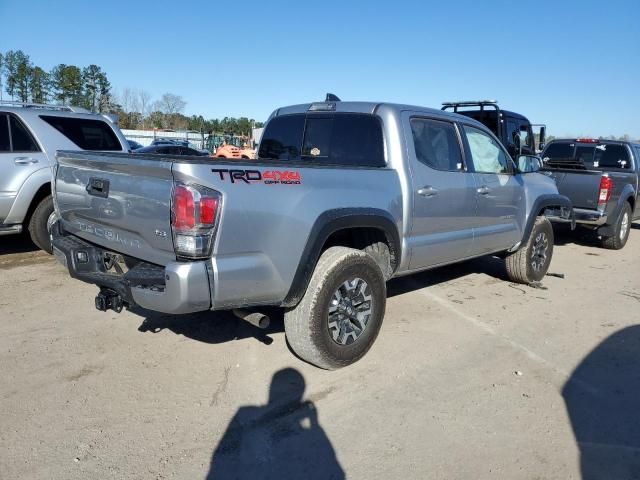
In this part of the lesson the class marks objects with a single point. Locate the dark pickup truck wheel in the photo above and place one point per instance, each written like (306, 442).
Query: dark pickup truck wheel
(38, 224)
(531, 262)
(340, 315)
(622, 229)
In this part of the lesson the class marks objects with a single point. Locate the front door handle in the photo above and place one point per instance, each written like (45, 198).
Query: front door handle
(428, 191)
(24, 160)
(484, 190)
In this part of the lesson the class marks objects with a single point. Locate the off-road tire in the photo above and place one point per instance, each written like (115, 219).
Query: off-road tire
(307, 324)
(520, 264)
(38, 224)
(620, 237)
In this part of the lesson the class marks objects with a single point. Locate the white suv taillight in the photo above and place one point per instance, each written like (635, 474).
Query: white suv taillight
(194, 215)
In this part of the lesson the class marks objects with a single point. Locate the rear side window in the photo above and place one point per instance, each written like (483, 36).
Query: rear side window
(436, 144)
(87, 134)
(338, 139)
(282, 138)
(5, 145)
(21, 138)
(611, 156)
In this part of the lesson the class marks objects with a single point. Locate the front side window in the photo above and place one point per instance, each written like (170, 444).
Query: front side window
(5, 144)
(436, 144)
(486, 153)
(513, 130)
(87, 134)
(21, 138)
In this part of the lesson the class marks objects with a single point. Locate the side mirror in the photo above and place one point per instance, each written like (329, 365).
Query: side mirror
(529, 163)
(542, 138)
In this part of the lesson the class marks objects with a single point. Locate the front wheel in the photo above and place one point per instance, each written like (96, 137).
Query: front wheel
(621, 230)
(340, 315)
(531, 261)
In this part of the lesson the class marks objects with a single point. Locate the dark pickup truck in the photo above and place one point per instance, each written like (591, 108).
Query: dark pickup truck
(601, 179)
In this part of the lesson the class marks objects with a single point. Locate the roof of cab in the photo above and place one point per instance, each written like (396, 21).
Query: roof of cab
(371, 108)
(29, 112)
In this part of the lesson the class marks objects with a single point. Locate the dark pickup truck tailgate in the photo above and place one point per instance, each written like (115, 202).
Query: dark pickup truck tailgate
(120, 202)
(581, 186)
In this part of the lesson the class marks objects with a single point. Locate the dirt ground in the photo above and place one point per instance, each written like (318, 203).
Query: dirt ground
(472, 377)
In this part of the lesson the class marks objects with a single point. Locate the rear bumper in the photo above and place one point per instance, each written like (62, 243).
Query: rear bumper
(590, 217)
(178, 287)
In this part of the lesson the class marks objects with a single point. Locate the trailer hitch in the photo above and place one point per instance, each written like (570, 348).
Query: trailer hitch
(109, 300)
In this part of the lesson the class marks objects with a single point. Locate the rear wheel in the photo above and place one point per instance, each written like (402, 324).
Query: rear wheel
(531, 262)
(622, 229)
(38, 224)
(339, 317)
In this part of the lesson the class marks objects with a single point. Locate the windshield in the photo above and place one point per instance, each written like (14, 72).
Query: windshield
(489, 118)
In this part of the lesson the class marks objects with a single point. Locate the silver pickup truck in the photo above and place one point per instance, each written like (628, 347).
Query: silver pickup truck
(602, 179)
(343, 196)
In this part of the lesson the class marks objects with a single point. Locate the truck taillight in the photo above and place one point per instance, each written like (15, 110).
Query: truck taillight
(194, 215)
(606, 185)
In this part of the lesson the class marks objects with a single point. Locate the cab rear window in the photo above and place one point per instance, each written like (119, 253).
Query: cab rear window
(336, 139)
(87, 134)
(587, 156)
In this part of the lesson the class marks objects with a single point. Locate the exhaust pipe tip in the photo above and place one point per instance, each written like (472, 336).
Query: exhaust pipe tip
(256, 319)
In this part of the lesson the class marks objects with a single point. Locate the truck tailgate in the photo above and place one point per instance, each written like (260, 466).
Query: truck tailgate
(581, 186)
(120, 202)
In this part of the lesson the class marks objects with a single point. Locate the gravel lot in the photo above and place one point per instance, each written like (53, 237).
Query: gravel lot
(471, 377)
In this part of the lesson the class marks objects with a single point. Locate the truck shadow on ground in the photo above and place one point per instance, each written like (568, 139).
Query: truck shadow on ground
(282, 439)
(222, 326)
(602, 397)
(491, 266)
(16, 244)
(211, 327)
(580, 236)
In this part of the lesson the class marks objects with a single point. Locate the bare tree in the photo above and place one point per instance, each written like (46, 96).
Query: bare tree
(125, 99)
(144, 103)
(170, 104)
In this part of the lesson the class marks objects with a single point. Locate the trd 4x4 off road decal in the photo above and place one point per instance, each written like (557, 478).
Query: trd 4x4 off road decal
(268, 177)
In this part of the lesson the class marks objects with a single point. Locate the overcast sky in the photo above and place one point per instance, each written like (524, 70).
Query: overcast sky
(574, 65)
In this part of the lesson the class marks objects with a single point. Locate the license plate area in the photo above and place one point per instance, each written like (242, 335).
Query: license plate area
(114, 264)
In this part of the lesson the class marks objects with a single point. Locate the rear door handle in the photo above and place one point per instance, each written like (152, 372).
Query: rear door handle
(428, 191)
(484, 190)
(24, 160)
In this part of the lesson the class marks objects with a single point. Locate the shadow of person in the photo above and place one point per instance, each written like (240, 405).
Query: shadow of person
(282, 439)
(602, 397)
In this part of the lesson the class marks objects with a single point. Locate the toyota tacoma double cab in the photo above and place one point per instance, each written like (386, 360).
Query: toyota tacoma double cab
(343, 197)
(601, 177)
